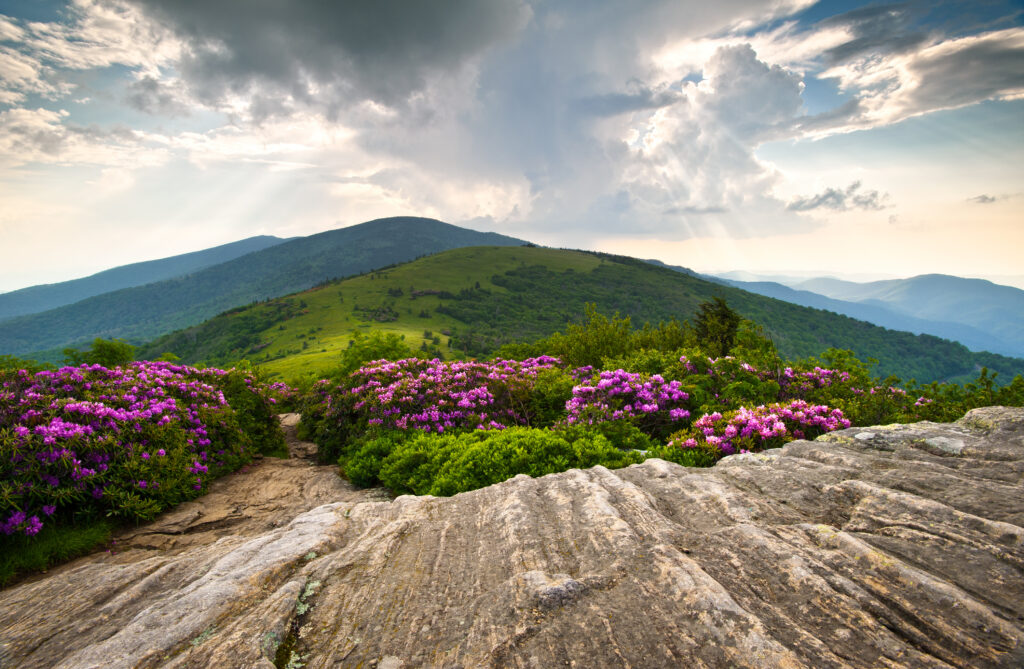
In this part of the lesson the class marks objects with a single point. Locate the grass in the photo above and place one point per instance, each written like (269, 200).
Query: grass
(333, 312)
(52, 546)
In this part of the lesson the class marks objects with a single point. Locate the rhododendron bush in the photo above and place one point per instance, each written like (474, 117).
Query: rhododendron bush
(361, 422)
(89, 442)
(424, 396)
(760, 428)
(650, 402)
(683, 406)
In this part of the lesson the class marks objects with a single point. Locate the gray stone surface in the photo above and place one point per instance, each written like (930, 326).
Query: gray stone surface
(891, 546)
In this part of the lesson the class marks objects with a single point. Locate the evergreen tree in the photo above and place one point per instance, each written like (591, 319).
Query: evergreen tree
(716, 327)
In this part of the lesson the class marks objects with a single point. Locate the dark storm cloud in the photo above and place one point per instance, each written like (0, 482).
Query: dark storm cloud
(877, 29)
(329, 52)
(152, 97)
(986, 67)
(841, 200)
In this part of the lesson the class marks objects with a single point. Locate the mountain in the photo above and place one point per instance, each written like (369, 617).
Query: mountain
(473, 300)
(148, 311)
(991, 308)
(36, 299)
(971, 337)
(793, 276)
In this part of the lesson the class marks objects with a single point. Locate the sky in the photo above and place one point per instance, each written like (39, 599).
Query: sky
(846, 138)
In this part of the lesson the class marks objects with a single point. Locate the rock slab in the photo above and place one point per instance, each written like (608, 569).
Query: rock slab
(892, 546)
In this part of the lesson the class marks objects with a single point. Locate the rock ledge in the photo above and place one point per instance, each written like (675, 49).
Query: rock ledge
(891, 546)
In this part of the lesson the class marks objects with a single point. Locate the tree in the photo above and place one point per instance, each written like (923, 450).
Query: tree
(597, 337)
(106, 352)
(716, 327)
(376, 345)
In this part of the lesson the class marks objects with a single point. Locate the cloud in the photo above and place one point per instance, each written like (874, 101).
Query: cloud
(838, 199)
(982, 199)
(44, 136)
(875, 29)
(152, 96)
(944, 75)
(98, 34)
(691, 170)
(586, 118)
(41, 58)
(331, 54)
(21, 75)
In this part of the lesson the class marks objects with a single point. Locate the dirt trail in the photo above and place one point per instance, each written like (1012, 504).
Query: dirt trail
(267, 493)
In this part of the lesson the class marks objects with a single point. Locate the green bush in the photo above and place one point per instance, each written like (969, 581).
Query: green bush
(622, 434)
(10, 363)
(546, 402)
(106, 352)
(363, 466)
(255, 415)
(449, 464)
(375, 345)
(705, 455)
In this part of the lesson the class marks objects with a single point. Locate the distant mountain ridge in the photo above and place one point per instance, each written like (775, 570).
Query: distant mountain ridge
(36, 299)
(982, 315)
(144, 312)
(994, 309)
(878, 314)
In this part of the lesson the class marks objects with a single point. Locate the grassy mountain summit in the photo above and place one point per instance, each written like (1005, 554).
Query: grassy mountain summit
(470, 301)
(145, 312)
(35, 299)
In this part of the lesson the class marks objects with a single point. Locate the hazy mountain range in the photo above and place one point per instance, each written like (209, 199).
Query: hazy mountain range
(982, 315)
(35, 299)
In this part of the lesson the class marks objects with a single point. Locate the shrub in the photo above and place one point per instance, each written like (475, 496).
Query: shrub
(85, 442)
(367, 347)
(747, 430)
(448, 464)
(363, 467)
(106, 352)
(651, 403)
(424, 395)
(551, 389)
(587, 343)
(622, 434)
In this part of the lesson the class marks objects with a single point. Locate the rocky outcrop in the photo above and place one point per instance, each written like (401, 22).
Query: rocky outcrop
(895, 546)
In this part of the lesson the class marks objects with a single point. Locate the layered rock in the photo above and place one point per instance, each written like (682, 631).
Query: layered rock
(887, 546)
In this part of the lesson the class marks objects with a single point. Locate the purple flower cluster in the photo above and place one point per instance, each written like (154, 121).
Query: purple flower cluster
(760, 428)
(438, 396)
(615, 395)
(795, 384)
(91, 435)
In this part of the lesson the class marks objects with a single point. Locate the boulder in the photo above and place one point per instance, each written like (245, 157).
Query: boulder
(889, 546)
